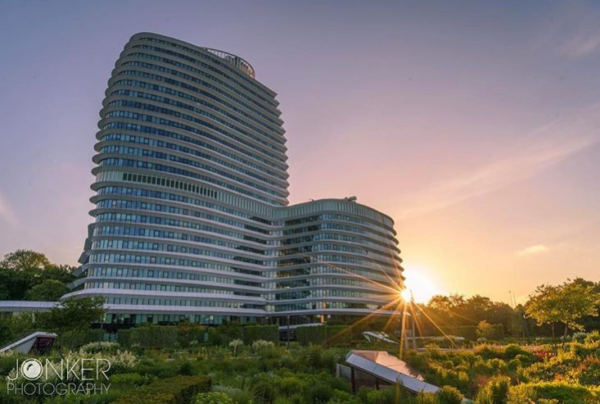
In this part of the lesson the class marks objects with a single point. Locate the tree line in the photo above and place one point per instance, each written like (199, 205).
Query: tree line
(29, 275)
(551, 310)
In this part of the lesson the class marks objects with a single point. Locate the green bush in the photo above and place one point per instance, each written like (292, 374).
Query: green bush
(343, 397)
(427, 398)
(260, 332)
(186, 369)
(563, 392)
(238, 396)
(495, 391)
(592, 337)
(450, 395)
(176, 390)
(213, 398)
(158, 369)
(97, 347)
(322, 335)
(190, 334)
(134, 379)
(263, 389)
(377, 397)
(290, 385)
(73, 339)
(320, 393)
(224, 334)
(149, 336)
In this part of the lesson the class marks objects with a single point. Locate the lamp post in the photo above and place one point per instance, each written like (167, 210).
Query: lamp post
(288, 332)
(413, 330)
(409, 333)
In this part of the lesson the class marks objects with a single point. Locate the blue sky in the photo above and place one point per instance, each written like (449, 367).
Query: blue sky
(474, 124)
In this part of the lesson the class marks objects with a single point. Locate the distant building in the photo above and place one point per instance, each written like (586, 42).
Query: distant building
(191, 206)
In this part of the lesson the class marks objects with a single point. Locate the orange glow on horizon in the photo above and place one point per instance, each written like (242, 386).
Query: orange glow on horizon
(420, 284)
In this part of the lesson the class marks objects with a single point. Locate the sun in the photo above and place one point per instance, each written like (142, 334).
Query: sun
(406, 295)
(419, 283)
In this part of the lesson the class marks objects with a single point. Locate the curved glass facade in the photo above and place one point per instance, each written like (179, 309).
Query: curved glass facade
(191, 212)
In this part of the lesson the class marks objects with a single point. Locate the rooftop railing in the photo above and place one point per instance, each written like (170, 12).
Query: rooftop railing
(235, 60)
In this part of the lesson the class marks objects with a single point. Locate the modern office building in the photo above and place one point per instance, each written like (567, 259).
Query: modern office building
(191, 204)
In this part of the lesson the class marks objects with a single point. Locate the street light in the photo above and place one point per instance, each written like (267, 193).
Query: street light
(288, 332)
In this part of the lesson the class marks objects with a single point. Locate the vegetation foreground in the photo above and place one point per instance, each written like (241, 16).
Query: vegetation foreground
(263, 372)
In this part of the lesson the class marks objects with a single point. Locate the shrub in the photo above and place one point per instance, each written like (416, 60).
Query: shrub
(189, 334)
(323, 335)
(224, 334)
(515, 364)
(320, 393)
(238, 396)
(564, 393)
(498, 366)
(134, 379)
(254, 333)
(186, 369)
(213, 398)
(377, 397)
(97, 347)
(176, 390)
(149, 336)
(427, 398)
(495, 391)
(450, 395)
(263, 389)
(512, 351)
(342, 397)
(290, 385)
(592, 337)
(261, 343)
(157, 369)
(235, 344)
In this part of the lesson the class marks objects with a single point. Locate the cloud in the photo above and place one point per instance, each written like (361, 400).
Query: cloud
(574, 32)
(581, 45)
(536, 151)
(7, 214)
(534, 249)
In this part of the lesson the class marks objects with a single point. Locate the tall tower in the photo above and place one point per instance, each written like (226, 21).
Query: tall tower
(191, 216)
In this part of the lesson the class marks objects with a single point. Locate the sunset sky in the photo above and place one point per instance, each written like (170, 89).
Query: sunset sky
(474, 124)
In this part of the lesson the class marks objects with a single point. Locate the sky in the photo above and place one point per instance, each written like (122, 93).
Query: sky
(475, 125)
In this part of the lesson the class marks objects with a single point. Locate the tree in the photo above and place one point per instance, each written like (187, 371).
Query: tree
(47, 291)
(485, 330)
(16, 326)
(568, 303)
(4, 292)
(60, 273)
(543, 306)
(518, 324)
(456, 311)
(22, 270)
(21, 260)
(578, 301)
(73, 314)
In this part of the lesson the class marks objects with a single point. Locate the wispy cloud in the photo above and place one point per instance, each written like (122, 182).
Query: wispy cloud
(572, 32)
(581, 45)
(534, 249)
(537, 151)
(7, 214)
